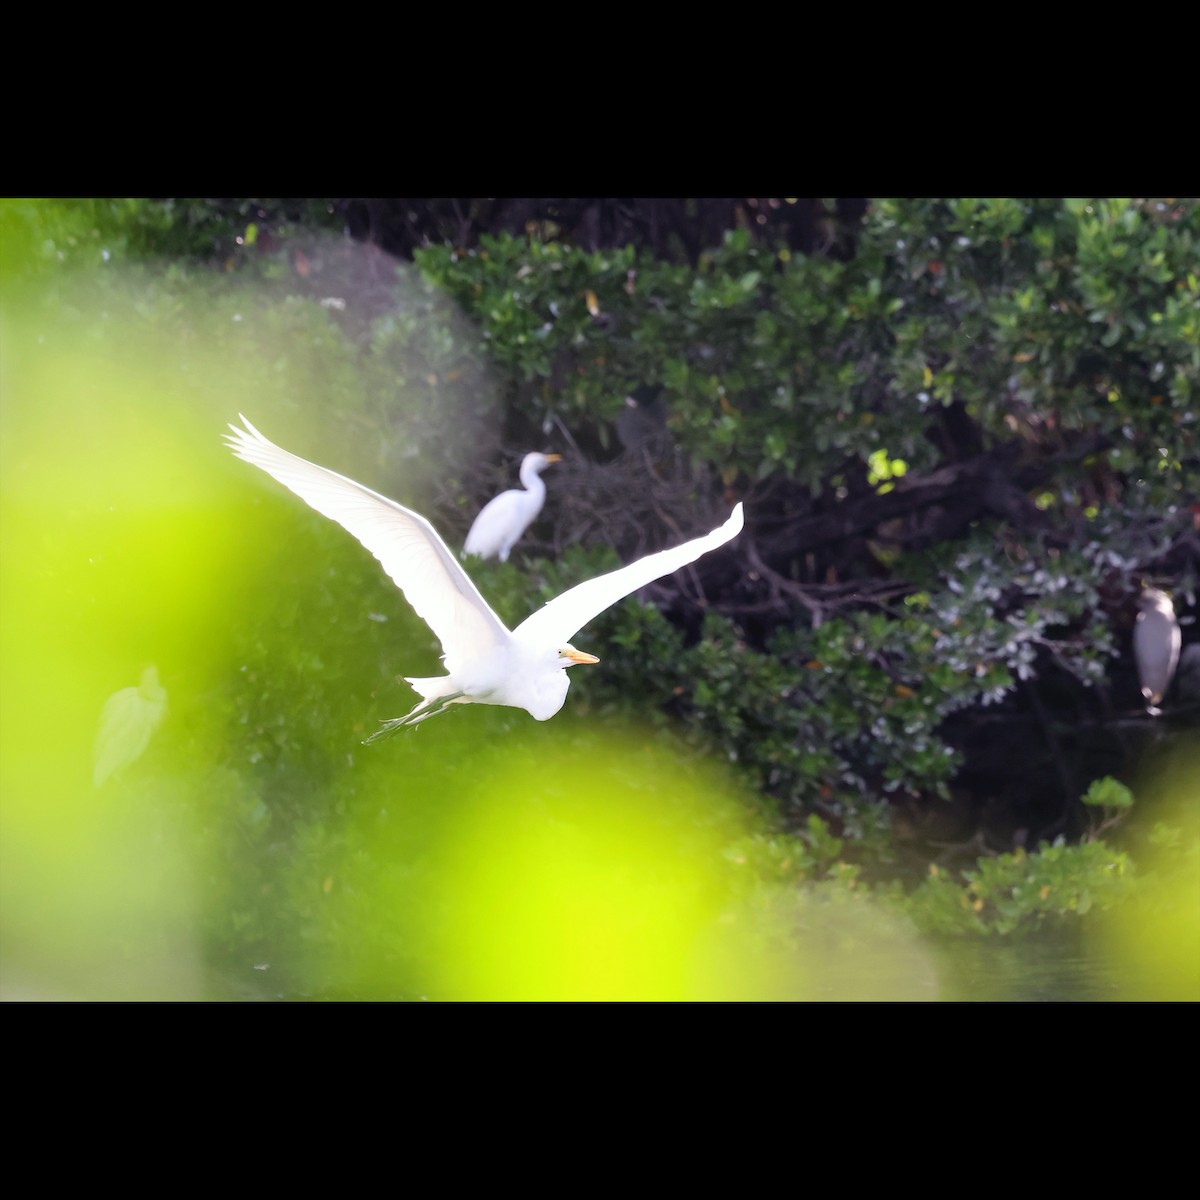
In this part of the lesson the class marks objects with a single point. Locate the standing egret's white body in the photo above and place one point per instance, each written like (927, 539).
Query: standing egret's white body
(485, 662)
(505, 517)
(1156, 641)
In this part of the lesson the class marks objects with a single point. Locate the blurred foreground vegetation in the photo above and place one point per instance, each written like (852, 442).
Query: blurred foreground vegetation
(900, 709)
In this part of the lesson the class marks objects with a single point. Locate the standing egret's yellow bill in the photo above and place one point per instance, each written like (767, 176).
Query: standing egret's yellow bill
(485, 662)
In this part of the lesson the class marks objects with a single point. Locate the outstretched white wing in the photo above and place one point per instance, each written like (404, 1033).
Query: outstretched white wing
(560, 619)
(406, 545)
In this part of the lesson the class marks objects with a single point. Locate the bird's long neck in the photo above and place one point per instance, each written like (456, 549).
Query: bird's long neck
(531, 479)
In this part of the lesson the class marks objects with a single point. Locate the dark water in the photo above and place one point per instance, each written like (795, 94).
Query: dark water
(1035, 971)
(1048, 968)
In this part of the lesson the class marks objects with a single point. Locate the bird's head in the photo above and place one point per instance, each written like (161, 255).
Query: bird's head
(1152, 600)
(569, 656)
(532, 465)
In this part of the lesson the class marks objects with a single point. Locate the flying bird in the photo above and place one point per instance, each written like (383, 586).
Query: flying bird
(485, 662)
(1156, 639)
(505, 517)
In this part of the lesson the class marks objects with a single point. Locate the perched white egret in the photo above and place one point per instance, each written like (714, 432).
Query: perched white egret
(1156, 641)
(505, 517)
(485, 662)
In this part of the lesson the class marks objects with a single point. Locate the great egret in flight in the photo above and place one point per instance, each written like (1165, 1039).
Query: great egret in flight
(1156, 641)
(505, 517)
(485, 662)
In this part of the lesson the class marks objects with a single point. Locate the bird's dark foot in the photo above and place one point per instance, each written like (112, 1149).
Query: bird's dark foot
(386, 730)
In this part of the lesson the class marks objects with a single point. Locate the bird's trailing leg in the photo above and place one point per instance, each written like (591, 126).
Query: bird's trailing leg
(422, 712)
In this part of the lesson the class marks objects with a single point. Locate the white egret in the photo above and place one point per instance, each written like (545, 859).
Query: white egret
(1156, 639)
(485, 662)
(505, 517)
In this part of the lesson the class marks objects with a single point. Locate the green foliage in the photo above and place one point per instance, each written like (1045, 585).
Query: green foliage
(1108, 793)
(1069, 314)
(833, 717)
(41, 236)
(773, 362)
(1019, 892)
(811, 855)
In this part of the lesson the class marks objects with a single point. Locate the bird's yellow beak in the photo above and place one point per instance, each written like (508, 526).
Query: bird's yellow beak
(553, 458)
(578, 656)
